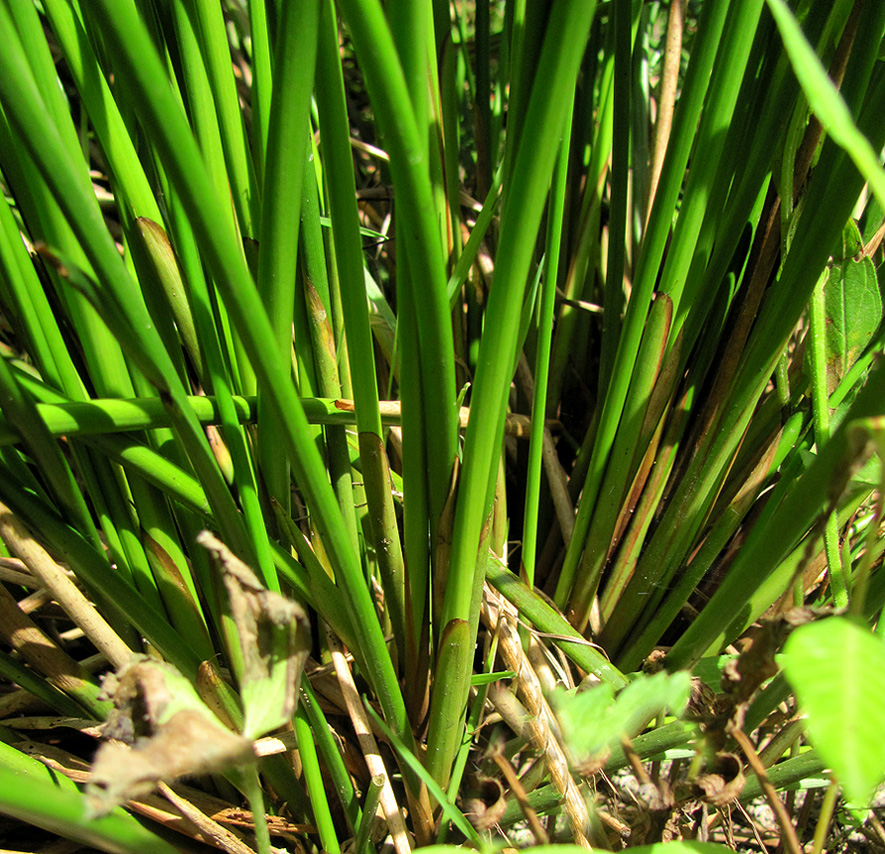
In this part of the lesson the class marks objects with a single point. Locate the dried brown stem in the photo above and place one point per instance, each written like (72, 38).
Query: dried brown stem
(211, 831)
(65, 592)
(790, 838)
(26, 638)
(521, 797)
(667, 100)
(389, 805)
(541, 724)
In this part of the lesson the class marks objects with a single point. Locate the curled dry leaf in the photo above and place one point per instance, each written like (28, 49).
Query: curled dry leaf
(742, 676)
(588, 766)
(723, 782)
(701, 701)
(486, 803)
(161, 731)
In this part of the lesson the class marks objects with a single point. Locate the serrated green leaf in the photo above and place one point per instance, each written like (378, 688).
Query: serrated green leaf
(586, 719)
(837, 670)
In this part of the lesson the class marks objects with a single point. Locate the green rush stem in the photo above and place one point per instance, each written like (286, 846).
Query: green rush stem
(14, 671)
(620, 184)
(542, 360)
(325, 739)
(834, 187)
(73, 191)
(19, 409)
(450, 125)
(284, 183)
(26, 298)
(215, 49)
(544, 618)
(633, 437)
(262, 83)
(362, 839)
(31, 792)
(341, 187)
(313, 779)
(314, 302)
(255, 796)
(660, 223)
(821, 829)
(202, 106)
(534, 165)
(551, 100)
(473, 721)
(767, 546)
(417, 546)
(129, 177)
(482, 92)
(102, 416)
(165, 122)
(477, 234)
(417, 223)
(411, 26)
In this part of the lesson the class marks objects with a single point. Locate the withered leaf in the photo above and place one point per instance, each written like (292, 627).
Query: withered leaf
(723, 782)
(162, 731)
(486, 803)
(274, 637)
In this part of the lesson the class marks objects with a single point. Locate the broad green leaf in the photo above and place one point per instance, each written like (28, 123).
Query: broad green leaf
(853, 307)
(592, 721)
(586, 719)
(837, 670)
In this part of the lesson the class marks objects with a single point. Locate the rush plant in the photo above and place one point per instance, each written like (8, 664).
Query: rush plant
(386, 388)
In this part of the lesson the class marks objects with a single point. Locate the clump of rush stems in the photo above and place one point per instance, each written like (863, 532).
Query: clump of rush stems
(438, 423)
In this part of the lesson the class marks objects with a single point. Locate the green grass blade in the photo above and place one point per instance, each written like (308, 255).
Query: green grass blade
(691, 101)
(550, 100)
(27, 793)
(164, 119)
(421, 244)
(451, 812)
(767, 546)
(210, 30)
(546, 619)
(825, 101)
(287, 145)
(542, 362)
